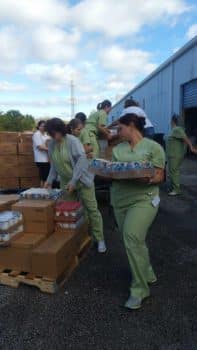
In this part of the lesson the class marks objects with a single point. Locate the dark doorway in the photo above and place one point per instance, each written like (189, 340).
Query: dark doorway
(191, 123)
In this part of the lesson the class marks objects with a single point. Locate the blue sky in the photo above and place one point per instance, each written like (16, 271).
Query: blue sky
(105, 46)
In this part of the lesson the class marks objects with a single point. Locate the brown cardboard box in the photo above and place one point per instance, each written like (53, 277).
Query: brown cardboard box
(25, 148)
(11, 137)
(26, 159)
(19, 255)
(26, 137)
(51, 257)
(6, 201)
(28, 182)
(44, 227)
(8, 148)
(38, 215)
(9, 166)
(9, 183)
(28, 170)
(36, 209)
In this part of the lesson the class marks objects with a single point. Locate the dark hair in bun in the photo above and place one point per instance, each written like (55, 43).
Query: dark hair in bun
(72, 125)
(129, 118)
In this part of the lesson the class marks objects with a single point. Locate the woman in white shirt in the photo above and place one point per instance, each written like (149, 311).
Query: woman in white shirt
(40, 149)
(132, 107)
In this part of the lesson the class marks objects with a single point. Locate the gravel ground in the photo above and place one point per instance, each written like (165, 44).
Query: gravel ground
(88, 314)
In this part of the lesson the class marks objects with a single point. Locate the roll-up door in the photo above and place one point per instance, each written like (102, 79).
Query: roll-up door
(190, 94)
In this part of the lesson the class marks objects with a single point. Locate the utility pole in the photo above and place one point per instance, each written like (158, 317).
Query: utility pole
(72, 98)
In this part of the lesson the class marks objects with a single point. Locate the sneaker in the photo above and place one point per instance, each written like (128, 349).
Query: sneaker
(133, 303)
(173, 193)
(101, 247)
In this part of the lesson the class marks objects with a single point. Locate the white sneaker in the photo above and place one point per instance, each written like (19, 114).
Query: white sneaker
(101, 247)
(173, 193)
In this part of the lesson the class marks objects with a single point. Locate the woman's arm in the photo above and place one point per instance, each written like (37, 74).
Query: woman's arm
(78, 159)
(189, 144)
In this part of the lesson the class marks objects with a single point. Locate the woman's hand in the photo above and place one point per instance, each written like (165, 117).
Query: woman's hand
(194, 150)
(47, 186)
(70, 188)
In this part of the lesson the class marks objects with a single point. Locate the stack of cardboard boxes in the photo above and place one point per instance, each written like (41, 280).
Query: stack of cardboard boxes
(18, 169)
(41, 250)
(28, 171)
(9, 174)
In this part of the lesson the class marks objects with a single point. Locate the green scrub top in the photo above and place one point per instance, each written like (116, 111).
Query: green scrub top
(96, 119)
(85, 137)
(128, 192)
(62, 163)
(175, 145)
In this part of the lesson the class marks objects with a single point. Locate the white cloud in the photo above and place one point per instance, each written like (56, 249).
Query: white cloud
(12, 49)
(33, 12)
(192, 31)
(128, 63)
(50, 43)
(54, 76)
(125, 17)
(6, 86)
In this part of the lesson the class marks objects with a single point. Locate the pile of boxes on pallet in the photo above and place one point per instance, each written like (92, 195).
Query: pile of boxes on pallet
(18, 169)
(43, 248)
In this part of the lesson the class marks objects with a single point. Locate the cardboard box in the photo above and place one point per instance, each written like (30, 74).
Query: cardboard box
(11, 137)
(36, 209)
(9, 183)
(81, 230)
(38, 215)
(51, 257)
(28, 182)
(28, 170)
(9, 166)
(26, 137)
(26, 159)
(46, 228)
(19, 255)
(25, 148)
(8, 148)
(6, 201)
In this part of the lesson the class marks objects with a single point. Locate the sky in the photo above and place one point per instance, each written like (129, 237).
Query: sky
(105, 47)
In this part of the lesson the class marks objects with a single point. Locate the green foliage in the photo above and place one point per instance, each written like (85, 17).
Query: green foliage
(16, 121)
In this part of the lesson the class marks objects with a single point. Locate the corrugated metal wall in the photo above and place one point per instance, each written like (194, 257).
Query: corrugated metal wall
(161, 95)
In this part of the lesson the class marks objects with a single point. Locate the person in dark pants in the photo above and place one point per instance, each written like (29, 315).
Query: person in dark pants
(40, 148)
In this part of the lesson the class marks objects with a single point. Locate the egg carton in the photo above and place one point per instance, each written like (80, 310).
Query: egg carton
(42, 193)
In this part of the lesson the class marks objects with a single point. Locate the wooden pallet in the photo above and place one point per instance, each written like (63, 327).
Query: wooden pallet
(14, 278)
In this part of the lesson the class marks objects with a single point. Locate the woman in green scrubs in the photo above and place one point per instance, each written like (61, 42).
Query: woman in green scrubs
(69, 162)
(136, 203)
(176, 147)
(76, 128)
(96, 126)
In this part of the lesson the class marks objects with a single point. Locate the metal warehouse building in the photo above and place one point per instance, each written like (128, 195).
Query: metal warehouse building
(171, 88)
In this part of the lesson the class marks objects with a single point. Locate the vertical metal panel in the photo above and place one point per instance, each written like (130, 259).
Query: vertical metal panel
(162, 92)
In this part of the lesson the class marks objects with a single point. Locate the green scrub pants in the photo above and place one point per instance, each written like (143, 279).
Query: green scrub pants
(88, 198)
(95, 145)
(174, 164)
(134, 223)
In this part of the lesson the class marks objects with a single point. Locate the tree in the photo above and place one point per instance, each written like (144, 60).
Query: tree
(16, 121)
